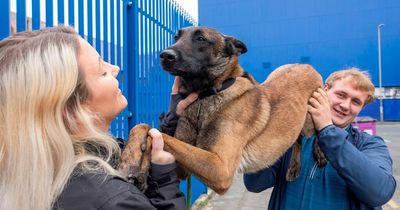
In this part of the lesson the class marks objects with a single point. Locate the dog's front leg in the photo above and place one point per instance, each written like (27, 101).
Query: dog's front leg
(134, 163)
(213, 168)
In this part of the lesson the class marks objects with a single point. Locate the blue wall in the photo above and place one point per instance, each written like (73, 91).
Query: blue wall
(330, 35)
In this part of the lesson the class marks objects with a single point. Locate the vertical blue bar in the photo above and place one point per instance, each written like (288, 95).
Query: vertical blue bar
(171, 17)
(144, 65)
(118, 38)
(105, 46)
(98, 41)
(21, 15)
(157, 66)
(174, 18)
(122, 63)
(5, 19)
(151, 79)
(35, 14)
(60, 10)
(81, 19)
(71, 13)
(138, 59)
(118, 121)
(130, 57)
(145, 88)
(105, 31)
(112, 30)
(49, 13)
(141, 56)
(90, 21)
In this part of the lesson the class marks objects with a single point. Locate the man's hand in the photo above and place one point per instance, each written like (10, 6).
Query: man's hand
(183, 104)
(158, 155)
(320, 109)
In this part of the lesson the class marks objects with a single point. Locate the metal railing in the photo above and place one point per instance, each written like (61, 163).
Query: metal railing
(127, 33)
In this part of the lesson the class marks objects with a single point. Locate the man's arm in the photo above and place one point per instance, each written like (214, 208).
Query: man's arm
(367, 170)
(263, 179)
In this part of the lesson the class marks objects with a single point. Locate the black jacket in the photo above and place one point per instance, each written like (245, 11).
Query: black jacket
(96, 190)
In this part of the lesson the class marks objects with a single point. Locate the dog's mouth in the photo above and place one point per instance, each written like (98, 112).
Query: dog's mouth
(173, 70)
(178, 72)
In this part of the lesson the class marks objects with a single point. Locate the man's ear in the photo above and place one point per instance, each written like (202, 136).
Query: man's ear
(234, 46)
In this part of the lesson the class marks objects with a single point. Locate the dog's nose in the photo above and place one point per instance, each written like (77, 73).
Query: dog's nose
(169, 55)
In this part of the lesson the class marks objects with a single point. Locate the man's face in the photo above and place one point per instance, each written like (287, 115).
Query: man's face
(346, 102)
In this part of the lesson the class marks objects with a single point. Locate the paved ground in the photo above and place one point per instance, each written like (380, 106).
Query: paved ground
(238, 198)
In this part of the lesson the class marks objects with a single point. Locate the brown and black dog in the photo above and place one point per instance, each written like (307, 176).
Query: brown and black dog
(236, 124)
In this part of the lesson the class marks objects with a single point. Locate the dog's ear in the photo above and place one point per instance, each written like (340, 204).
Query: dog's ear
(234, 46)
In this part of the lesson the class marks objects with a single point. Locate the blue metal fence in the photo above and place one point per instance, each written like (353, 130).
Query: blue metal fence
(127, 33)
(130, 34)
(155, 23)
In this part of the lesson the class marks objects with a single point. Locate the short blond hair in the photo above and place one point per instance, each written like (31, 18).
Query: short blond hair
(360, 80)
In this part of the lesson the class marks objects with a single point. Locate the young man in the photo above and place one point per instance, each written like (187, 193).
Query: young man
(358, 174)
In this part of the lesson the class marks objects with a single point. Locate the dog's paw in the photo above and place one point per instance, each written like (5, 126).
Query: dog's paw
(292, 173)
(139, 130)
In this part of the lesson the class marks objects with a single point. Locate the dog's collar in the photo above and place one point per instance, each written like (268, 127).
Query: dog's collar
(212, 91)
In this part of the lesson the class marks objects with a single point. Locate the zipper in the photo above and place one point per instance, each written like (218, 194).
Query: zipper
(313, 170)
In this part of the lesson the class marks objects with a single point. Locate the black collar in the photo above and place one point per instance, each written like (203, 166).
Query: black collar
(212, 91)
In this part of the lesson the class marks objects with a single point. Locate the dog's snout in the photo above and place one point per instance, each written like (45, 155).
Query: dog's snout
(169, 55)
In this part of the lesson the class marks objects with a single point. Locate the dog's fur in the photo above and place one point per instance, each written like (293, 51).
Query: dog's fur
(245, 127)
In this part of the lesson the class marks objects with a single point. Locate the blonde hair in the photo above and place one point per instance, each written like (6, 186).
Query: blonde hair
(360, 80)
(45, 130)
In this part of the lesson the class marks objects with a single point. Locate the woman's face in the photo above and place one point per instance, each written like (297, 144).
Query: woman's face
(105, 98)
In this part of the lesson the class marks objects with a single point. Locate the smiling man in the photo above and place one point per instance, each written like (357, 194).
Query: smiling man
(358, 174)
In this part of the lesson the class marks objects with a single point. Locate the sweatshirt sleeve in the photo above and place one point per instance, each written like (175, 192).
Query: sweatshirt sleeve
(163, 191)
(169, 121)
(263, 179)
(367, 170)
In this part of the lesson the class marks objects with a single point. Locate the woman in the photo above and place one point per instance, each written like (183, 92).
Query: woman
(57, 100)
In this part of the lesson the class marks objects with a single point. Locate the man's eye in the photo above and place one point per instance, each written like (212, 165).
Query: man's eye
(200, 38)
(104, 74)
(358, 103)
(340, 95)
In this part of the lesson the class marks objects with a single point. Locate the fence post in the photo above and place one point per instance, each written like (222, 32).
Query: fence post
(5, 19)
(130, 50)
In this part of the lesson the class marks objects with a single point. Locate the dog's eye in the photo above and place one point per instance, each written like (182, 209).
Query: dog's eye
(176, 37)
(201, 39)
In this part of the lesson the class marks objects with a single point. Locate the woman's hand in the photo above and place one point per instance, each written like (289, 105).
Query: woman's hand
(158, 155)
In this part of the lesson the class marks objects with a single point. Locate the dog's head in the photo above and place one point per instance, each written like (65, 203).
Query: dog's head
(202, 57)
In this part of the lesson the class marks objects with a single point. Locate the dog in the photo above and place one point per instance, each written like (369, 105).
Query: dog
(236, 124)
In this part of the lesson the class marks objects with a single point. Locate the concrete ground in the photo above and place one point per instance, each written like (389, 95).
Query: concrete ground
(238, 198)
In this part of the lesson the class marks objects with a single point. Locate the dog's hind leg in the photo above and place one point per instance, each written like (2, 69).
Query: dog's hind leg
(293, 170)
(319, 155)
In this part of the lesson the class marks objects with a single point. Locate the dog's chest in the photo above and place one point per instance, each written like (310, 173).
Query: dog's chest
(201, 120)
(205, 110)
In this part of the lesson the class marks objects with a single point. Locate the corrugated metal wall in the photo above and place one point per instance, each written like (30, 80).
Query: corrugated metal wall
(330, 35)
